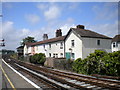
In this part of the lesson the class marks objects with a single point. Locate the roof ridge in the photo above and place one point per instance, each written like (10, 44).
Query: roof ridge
(48, 40)
(90, 33)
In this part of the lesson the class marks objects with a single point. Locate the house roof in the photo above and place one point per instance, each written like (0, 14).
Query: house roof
(88, 33)
(116, 38)
(60, 38)
(20, 47)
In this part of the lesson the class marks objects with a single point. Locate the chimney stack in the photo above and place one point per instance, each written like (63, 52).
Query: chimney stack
(80, 26)
(58, 33)
(45, 36)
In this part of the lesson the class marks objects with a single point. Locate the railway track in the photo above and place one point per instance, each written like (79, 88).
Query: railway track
(65, 80)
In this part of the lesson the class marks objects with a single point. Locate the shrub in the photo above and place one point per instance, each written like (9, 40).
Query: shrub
(94, 64)
(79, 66)
(112, 63)
(38, 58)
(99, 62)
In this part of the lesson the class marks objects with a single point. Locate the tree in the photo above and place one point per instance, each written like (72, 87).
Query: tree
(27, 40)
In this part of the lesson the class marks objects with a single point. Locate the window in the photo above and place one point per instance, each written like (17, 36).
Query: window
(54, 55)
(49, 54)
(98, 42)
(61, 54)
(50, 46)
(114, 44)
(44, 46)
(72, 56)
(72, 43)
(61, 45)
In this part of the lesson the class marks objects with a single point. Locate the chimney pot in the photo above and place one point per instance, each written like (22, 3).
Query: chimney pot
(58, 33)
(80, 26)
(45, 36)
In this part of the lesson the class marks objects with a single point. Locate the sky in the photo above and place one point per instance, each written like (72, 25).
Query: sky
(22, 19)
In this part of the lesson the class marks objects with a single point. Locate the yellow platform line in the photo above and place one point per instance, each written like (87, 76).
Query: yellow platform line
(11, 84)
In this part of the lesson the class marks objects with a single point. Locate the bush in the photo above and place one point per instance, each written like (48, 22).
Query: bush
(94, 63)
(38, 58)
(112, 63)
(79, 66)
(99, 62)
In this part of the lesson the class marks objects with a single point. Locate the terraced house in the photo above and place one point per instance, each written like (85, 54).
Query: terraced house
(53, 47)
(116, 43)
(78, 43)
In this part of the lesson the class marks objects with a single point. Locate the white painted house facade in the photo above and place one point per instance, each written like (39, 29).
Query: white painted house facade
(50, 47)
(116, 43)
(78, 43)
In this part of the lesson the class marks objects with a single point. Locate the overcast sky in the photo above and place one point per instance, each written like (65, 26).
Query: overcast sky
(22, 19)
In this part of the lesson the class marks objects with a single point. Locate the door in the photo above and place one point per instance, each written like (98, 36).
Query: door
(67, 55)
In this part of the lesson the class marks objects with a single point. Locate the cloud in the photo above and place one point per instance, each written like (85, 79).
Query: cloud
(66, 25)
(14, 36)
(32, 18)
(65, 28)
(106, 29)
(42, 6)
(52, 13)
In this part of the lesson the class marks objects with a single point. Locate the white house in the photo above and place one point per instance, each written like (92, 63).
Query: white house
(50, 47)
(79, 42)
(116, 43)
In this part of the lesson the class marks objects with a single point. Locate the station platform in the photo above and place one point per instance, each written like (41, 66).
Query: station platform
(13, 81)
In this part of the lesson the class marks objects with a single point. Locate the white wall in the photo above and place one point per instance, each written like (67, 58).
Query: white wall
(55, 49)
(27, 50)
(85, 46)
(90, 45)
(77, 49)
(115, 48)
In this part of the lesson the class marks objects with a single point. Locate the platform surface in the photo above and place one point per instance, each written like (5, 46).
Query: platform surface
(17, 81)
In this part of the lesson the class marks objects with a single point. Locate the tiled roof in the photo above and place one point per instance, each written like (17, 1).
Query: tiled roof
(116, 38)
(89, 33)
(60, 38)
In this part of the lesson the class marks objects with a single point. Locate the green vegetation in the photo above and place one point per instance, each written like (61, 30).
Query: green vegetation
(14, 56)
(38, 58)
(99, 62)
(27, 40)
